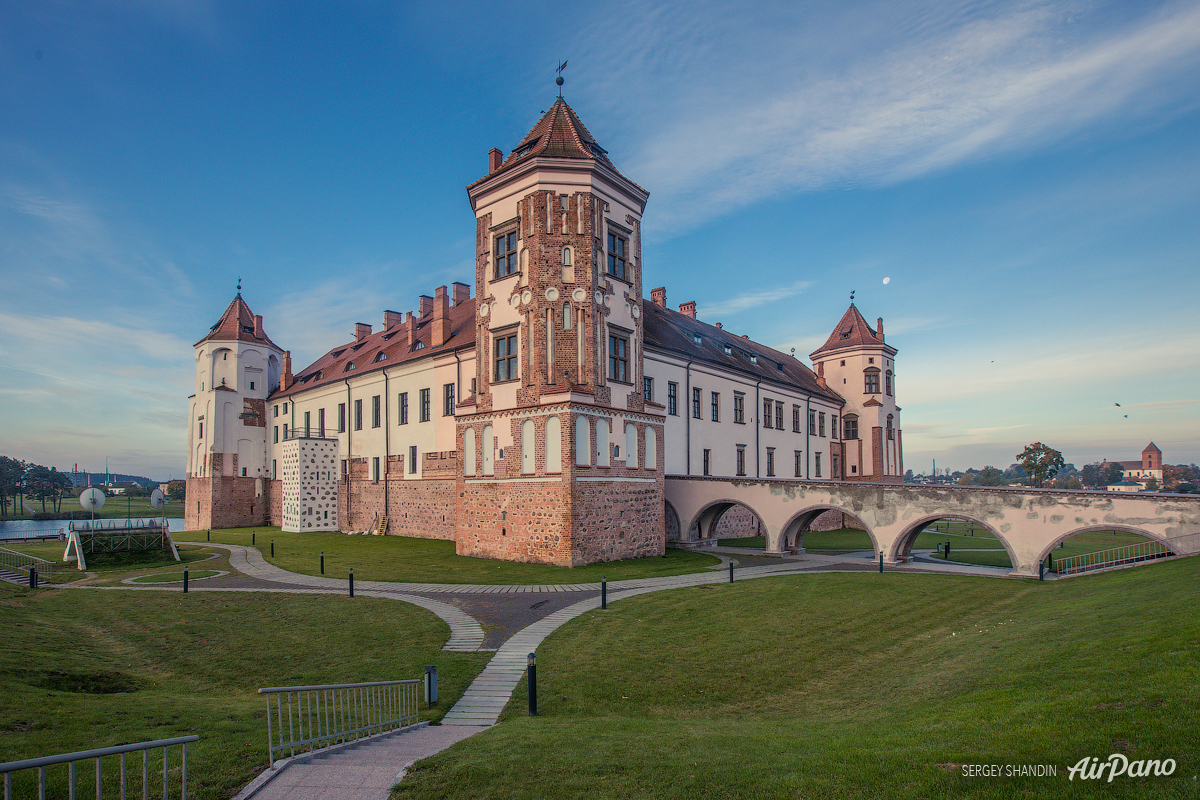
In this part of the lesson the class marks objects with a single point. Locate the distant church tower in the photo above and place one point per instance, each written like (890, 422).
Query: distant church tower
(856, 363)
(237, 366)
(561, 462)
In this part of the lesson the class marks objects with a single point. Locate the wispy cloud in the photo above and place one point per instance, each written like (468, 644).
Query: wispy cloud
(748, 300)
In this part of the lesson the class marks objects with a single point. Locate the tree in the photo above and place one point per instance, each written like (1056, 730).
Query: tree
(1112, 472)
(1041, 461)
(990, 476)
(11, 472)
(908, 476)
(1152, 484)
(176, 490)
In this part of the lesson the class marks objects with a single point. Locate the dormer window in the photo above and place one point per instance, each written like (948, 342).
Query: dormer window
(697, 339)
(248, 328)
(846, 333)
(753, 359)
(728, 350)
(418, 346)
(779, 367)
(381, 357)
(350, 367)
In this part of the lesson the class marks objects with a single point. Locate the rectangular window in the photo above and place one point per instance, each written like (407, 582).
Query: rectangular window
(796, 420)
(307, 428)
(506, 254)
(200, 434)
(252, 385)
(345, 466)
(695, 403)
(425, 405)
(708, 462)
(617, 247)
(739, 408)
(770, 462)
(673, 399)
(817, 464)
(321, 422)
(274, 470)
(285, 430)
(812, 423)
(376, 414)
(798, 456)
(618, 358)
(285, 408)
(448, 398)
(341, 418)
(276, 407)
(767, 406)
(778, 415)
(741, 460)
(357, 415)
(716, 407)
(648, 388)
(871, 382)
(276, 433)
(412, 459)
(506, 358)
(375, 469)
(850, 426)
(403, 403)
(821, 424)
(833, 426)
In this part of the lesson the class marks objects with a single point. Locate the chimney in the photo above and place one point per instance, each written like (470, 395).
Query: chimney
(286, 380)
(361, 331)
(659, 296)
(461, 291)
(495, 159)
(426, 305)
(719, 326)
(410, 328)
(391, 319)
(439, 332)
(879, 328)
(258, 331)
(820, 369)
(688, 309)
(821, 381)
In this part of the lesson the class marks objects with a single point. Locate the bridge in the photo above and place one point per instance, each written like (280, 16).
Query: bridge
(1028, 522)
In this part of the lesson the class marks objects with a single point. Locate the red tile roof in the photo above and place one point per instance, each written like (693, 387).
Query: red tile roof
(851, 331)
(237, 324)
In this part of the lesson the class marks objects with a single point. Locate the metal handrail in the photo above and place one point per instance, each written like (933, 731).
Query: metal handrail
(70, 760)
(317, 717)
(1113, 557)
(112, 524)
(21, 562)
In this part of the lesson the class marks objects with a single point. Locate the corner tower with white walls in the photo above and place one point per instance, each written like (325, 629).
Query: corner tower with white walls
(857, 364)
(237, 366)
(561, 459)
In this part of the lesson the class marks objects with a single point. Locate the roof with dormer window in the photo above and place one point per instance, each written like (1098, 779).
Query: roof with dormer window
(851, 331)
(236, 324)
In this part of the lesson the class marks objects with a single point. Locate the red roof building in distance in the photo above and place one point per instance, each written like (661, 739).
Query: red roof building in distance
(536, 420)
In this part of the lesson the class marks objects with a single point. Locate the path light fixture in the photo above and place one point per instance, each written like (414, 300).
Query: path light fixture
(532, 670)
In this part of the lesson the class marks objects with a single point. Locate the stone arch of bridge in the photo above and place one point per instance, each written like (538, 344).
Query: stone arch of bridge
(792, 532)
(706, 519)
(674, 531)
(1164, 541)
(902, 549)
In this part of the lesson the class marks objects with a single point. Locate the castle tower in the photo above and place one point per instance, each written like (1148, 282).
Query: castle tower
(857, 364)
(237, 366)
(561, 463)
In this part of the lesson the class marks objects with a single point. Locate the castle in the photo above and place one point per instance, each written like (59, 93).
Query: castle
(537, 420)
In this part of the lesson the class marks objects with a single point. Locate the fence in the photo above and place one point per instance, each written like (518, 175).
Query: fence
(19, 562)
(119, 525)
(315, 717)
(24, 534)
(123, 750)
(1110, 559)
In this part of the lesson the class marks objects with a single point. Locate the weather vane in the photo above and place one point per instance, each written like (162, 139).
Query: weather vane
(559, 79)
(851, 295)
(239, 283)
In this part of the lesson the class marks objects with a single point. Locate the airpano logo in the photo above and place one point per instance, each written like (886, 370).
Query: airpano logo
(1092, 768)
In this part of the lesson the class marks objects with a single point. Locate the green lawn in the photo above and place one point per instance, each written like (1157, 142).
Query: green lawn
(107, 565)
(843, 540)
(852, 686)
(115, 507)
(968, 549)
(400, 558)
(192, 664)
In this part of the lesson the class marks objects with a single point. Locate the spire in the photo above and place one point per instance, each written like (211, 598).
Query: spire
(559, 134)
(851, 331)
(238, 323)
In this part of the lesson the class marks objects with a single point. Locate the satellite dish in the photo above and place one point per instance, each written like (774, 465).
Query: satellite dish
(157, 499)
(91, 499)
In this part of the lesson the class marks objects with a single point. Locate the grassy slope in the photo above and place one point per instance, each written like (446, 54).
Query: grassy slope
(192, 664)
(856, 685)
(400, 558)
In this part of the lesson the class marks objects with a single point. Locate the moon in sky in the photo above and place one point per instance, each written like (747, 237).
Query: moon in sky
(887, 280)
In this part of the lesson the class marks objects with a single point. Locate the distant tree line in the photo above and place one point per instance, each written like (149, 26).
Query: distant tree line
(21, 480)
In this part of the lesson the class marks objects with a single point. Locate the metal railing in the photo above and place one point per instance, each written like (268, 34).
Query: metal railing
(20, 562)
(22, 534)
(309, 432)
(118, 525)
(122, 750)
(308, 718)
(1109, 559)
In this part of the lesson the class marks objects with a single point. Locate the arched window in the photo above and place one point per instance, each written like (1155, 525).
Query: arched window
(891, 433)
(602, 451)
(566, 316)
(553, 445)
(528, 439)
(631, 445)
(489, 446)
(887, 383)
(651, 461)
(583, 441)
(568, 268)
(469, 451)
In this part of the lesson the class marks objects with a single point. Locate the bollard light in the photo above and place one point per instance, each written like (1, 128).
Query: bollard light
(185, 578)
(251, 537)
(603, 592)
(431, 684)
(272, 548)
(731, 572)
(352, 581)
(881, 561)
(532, 670)
(208, 535)
(33, 577)
(322, 562)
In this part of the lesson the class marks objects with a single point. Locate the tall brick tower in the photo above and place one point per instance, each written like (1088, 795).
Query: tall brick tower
(857, 364)
(237, 366)
(562, 461)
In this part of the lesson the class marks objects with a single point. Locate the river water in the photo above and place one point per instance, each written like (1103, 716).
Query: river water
(28, 528)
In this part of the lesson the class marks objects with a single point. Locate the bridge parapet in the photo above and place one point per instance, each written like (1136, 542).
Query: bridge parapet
(1028, 522)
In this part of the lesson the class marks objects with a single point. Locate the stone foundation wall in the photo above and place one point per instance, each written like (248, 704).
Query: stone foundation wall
(225, 502)
(614, 521)
(527, 522)
(424, 509)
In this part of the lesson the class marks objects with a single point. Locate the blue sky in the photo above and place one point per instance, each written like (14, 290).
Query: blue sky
(1023, 173)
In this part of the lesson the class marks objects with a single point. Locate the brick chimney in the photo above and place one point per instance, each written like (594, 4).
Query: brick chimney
(461, 291)
(495, 159)
(688, 309)
(439, 330)
(286, 380)
(361, 331)
(719, 326)
(258, 331)
(659, 296)
(426, 305)
(391, 319)
(410, 328)
(879, 328)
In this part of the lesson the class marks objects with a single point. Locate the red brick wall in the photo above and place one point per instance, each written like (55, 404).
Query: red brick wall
(425, 509)
(225, 502)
